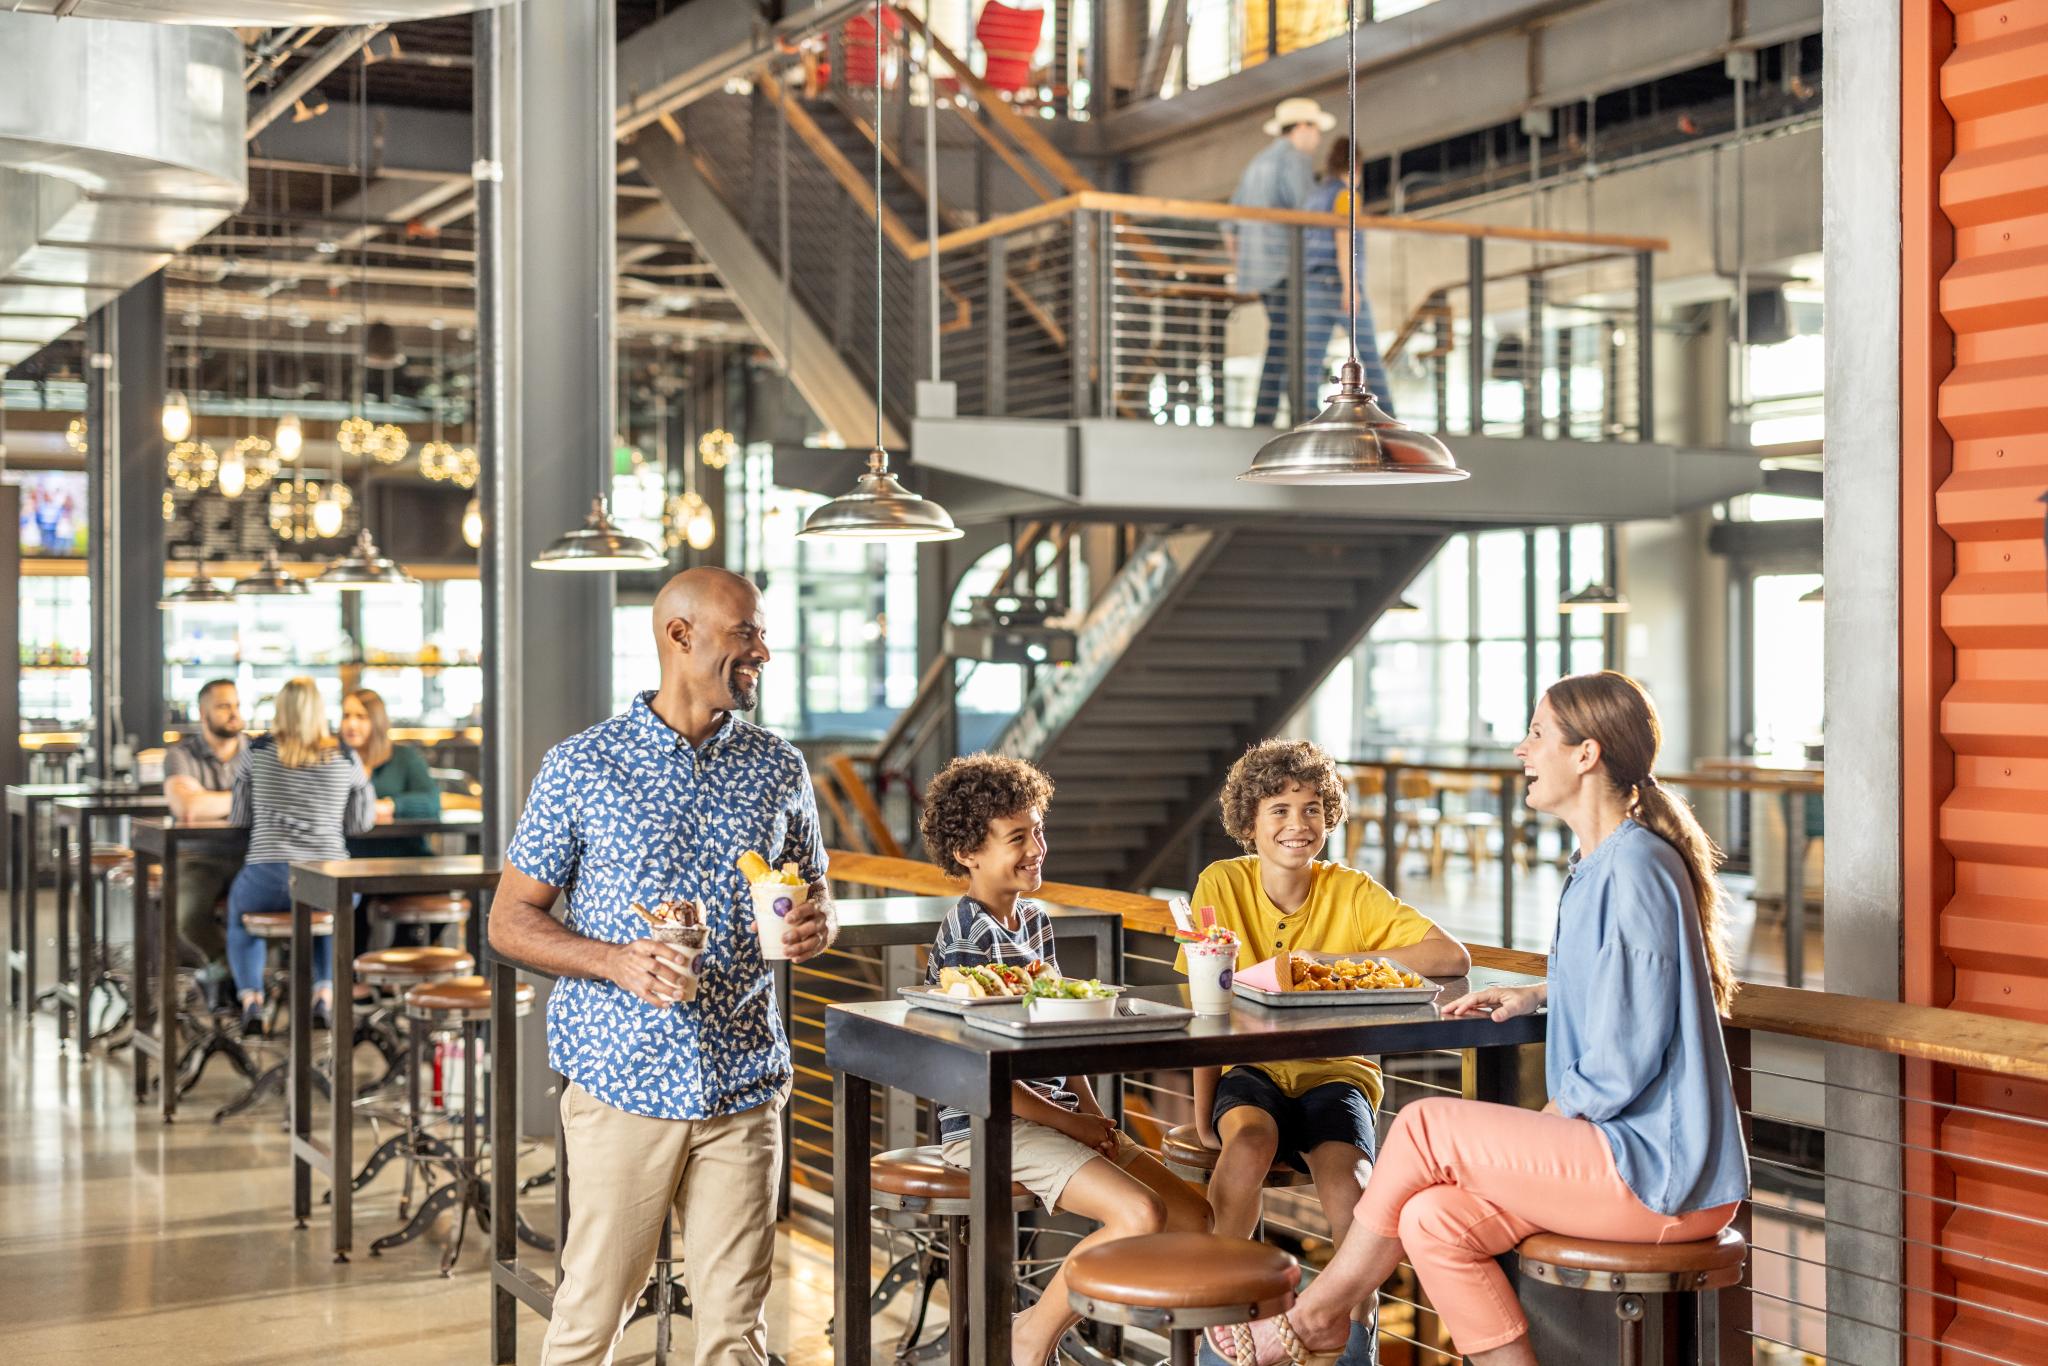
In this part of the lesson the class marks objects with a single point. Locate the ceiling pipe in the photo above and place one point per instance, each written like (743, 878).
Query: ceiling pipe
(345, 45)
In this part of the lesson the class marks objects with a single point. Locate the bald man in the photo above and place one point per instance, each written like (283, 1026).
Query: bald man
(670, 1106)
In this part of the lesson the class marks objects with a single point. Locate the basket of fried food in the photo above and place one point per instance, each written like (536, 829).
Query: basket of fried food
(1311, 979)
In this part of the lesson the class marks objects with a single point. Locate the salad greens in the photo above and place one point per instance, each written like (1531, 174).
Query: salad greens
(1051, 988)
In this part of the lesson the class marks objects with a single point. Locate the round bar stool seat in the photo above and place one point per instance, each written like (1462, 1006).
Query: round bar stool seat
(1630, 1271)
(919, 1180)
(1180, 1283)
(1185, 1155)
(278, 924)
(461, 1000)
(124, 876)
(428, 908)
(412, 966)
(105, 858)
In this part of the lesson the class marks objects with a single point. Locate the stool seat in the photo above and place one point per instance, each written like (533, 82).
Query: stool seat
(278, 924)
(1588, 1264)
(107, 857)
(123, 875)
(1182, 1271)
(467, 996)
(413, 965)
(921, 1175)
(1185, 1155)
(425, 908)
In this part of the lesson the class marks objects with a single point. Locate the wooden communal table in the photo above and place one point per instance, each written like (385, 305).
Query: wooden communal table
(940, 1056)
(74, 869)
(333, 886)
(25, 802)
(161, 840)
(1091, 943)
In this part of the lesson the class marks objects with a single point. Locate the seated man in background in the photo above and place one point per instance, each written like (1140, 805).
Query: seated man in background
(199, 782)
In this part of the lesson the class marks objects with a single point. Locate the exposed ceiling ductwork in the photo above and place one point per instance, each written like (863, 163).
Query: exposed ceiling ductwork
(256, 13)
(120, 146)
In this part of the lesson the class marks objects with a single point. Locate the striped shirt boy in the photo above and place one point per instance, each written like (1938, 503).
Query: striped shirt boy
(298, 815)
(970, 936)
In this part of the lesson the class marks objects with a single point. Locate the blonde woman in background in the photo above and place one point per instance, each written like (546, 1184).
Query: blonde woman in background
(301, 794)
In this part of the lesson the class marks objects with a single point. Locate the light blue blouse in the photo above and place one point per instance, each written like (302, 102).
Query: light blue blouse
(1634, 1041)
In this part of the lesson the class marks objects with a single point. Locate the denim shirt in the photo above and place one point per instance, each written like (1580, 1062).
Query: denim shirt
(630, 811)
(1634, 1040)
(1280, 177)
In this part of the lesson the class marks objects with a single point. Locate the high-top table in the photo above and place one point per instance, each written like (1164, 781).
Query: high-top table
(161, 840)
(25, 802)
(941, 1057)
(333, 886)
(77, 816)
(1091, 944)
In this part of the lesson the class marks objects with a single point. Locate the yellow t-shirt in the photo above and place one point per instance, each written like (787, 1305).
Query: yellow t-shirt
(1346, 912)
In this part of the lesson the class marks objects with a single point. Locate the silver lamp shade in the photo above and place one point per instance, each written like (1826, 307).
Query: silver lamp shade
(1594, 597)
(1353, 441)
(364, 567)
(1817, 593)
(880, 509)
(598, 545)
(271, 580)
(201, 592)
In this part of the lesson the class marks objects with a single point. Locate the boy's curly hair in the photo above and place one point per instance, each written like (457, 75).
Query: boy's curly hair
(970, 794)
(1266, 770)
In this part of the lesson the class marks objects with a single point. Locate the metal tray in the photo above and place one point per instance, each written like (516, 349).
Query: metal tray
(1134, 1015)
(1382, 996)
(931, 998)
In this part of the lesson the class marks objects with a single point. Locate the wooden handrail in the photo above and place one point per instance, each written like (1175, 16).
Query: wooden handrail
(1953, 1038)
(1793, 780)
(850, 180)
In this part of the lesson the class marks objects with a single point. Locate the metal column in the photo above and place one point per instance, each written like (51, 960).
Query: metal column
(1475, 356)
(544, 169)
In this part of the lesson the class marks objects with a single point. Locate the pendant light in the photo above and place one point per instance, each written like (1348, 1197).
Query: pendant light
(1594, 597)
(879, 508)
(597, 545)
(177, 416)
(1353, 441)
(271, 579)
(1402, 608)
(200, 592)
(473, 524)
(364, 566)
(290, 437)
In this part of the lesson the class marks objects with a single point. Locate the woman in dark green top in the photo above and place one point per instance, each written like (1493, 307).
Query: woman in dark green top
(405, 789)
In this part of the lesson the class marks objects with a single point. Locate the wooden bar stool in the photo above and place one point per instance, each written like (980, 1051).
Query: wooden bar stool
(1631, 1271)
(1185, 1155)
(429, 909)
(459, 1004)
(396, 971)
(273, 928)
(918, 1181)
(1179, 1284)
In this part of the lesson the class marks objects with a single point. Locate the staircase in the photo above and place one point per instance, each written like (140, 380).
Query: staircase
(1207, 641)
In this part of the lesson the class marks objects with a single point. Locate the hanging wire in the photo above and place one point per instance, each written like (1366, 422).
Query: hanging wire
(363, 227)
(878, 224)
(1351, 151)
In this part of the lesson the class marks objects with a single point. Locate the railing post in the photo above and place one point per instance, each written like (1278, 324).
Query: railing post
(1297, 333)
(1475, 359)
(1563, 362)
(1390, 872)
(1794, 804)
(1081, 274)
(996, 328)
(1440, 366)
(1105, 314)
(1533, 360)
(1646, 374)
(1727, 1315)
(924, 340)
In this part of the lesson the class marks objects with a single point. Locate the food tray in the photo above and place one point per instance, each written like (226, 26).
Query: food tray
(1382, 996)
(1133, 1016)
(931, 998)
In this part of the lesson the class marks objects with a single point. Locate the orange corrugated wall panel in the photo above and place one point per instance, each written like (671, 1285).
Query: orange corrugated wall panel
(1974, 617)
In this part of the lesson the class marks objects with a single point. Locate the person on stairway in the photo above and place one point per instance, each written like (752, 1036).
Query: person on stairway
(1280, 177)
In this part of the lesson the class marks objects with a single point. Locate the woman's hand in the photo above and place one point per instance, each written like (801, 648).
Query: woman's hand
(1502, 1003)
(387, 808)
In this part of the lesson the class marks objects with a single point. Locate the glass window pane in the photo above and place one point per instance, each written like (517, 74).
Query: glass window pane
(1501, 699)
(1453, 577)
(1501, 576)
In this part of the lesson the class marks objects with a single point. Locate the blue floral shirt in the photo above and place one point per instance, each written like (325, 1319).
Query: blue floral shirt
(628, 811)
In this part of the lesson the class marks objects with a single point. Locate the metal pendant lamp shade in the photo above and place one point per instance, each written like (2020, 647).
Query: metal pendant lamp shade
(598, 545)
(1594, 597)
(364, 567)
(1353, 441)
(271, 579)
(200, 592)
(1817, 593)
(880, 509)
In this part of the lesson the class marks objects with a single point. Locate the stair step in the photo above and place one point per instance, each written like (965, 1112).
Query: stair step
(1136, 764)
(1101, 839)
(1148, 682)
(1068, 816)
(1227, 628)
(1311, 561)
(1193, 711)
(1260, 593)
(1087, 739)
(1102, 793)
(1199, 656)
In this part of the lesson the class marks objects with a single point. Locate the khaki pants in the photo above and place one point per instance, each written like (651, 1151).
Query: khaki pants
(626, 1173)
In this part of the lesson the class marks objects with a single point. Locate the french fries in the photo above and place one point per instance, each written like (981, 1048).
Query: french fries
(1304, 973)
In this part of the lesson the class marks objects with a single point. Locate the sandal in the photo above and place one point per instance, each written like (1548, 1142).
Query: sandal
(1244, 1348)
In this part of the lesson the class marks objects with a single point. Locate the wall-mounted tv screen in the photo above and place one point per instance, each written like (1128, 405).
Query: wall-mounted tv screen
(53, 504)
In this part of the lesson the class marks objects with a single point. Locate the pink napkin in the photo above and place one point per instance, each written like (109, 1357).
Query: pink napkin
(1264, 975)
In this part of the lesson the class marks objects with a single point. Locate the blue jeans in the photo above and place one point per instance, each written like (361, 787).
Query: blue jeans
(266, 887)
(1322, 299)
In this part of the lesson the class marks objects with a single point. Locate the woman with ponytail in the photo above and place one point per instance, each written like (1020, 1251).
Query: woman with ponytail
(1641, 1141)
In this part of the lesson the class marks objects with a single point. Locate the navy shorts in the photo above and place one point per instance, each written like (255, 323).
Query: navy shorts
(1335, 1112)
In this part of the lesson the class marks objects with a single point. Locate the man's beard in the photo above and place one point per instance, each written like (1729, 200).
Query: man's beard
(214, 733)
(745, 696)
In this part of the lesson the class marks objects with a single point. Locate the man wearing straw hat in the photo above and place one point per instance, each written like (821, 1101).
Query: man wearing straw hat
(1280, 177)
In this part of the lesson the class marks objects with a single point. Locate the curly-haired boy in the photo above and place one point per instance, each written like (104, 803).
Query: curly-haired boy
(1281, 803)
(984, 819)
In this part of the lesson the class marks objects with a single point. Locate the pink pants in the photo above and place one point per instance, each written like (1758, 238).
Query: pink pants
(1461, 1181)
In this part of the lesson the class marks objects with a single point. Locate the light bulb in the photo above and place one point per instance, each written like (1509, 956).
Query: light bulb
(233, 475)
(473, 523)
(290, 438)
(701, 530)
(177, 417)
(327, 515)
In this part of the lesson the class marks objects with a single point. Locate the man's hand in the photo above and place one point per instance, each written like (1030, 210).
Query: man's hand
(386, 810)
(808, 929)
(1094, 1131)
(649, 970)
